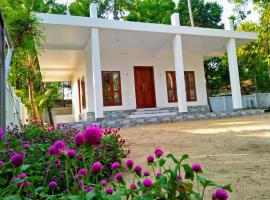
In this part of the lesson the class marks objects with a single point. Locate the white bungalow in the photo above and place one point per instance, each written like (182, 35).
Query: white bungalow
(126, 66)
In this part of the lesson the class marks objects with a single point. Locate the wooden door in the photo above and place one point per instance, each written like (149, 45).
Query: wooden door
(144, 87)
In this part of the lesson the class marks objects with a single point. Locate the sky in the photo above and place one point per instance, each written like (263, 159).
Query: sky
(227, 10)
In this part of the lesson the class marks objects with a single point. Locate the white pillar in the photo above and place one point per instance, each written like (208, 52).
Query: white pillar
(179, 66)
(96, 67)
(234, 73)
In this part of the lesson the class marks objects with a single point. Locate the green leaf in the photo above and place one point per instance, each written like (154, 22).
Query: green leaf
(3, 181)
(173, 158)
(184, 157)
(25, 167)
(90, 195)
(13, 197)
(116, 196)
(162, 162)
(74, 197)
(189, 174)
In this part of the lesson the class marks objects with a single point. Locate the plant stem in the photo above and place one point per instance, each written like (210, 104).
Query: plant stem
(203, 192)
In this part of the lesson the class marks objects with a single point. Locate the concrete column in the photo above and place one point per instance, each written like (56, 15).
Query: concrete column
(179, 66)
(234, 73)
(96, 67)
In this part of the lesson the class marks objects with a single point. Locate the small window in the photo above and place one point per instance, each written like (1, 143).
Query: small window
(171, 86)
(111, 88)
(83, 93)
(190, 86)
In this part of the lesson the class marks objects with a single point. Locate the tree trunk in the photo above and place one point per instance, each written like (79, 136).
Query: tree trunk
(115, 11)
(50, 115)
(190, 13)
(34, 112)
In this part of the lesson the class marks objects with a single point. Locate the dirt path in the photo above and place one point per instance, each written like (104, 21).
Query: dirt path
(235, 150)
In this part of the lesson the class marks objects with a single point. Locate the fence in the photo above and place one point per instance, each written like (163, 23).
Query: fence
(15, 111)
(224, 103)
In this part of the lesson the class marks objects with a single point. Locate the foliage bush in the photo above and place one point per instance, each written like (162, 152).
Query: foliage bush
(63, 163)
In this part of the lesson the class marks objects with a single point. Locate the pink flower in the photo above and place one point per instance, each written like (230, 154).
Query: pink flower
(115, 165)
(196, 167)
(22, 176)
(146, 173)
(1, 133)
(220, 194)
(90, 188)
(179, 177)
(82, 172)
(118, 177)
(138, 169)
(109, 191)
(104, 183)
(96, 167)
(78, 139)
(147, 183)
(93, 135)
(59, 145)
(158, 174)
(158, 153)
(17, 160)
(133, 186)
(150, 159)
(129, 164)
(52, 184)
(1, 163)
(71, 153)
(26, 146)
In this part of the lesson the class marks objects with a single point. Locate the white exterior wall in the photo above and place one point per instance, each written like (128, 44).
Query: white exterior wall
(112, 60)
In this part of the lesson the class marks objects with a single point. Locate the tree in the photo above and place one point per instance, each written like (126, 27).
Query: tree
(190, 13)
(106, 7)
(26, 35)
(151, 11)
(205, 14)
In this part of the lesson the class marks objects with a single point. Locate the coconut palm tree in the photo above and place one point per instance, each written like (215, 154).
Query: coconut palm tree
(190, 13)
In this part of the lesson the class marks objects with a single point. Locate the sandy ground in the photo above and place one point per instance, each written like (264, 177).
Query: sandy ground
(235, 151)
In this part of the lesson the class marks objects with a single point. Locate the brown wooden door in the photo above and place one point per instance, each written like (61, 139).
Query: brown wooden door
(145, 87)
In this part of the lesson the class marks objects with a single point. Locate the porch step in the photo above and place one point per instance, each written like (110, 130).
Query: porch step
(150, 113)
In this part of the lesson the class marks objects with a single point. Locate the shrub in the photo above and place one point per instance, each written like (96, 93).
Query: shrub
(50, 159)
(64, 163)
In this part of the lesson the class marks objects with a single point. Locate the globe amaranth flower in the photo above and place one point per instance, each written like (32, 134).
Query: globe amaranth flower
(26, 146)
(138, 169)
(1, 133)
(93, 135)
(129, 164)
(2, 163)
(22, 176)
(96, 167)
(104, 183)
(133, 186)
(90, 188)
(109, 191)
(196, 167)
(118, 177)
(82, 172)
(71, 153)
(150, 159)
(220, 194)
(78, 139)
(179, 177)
(52, 184)
(147, 183)
(59, 145)
(158, 174)
(146, 173)
(115, 165)
(158, 153)
(17, 159)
